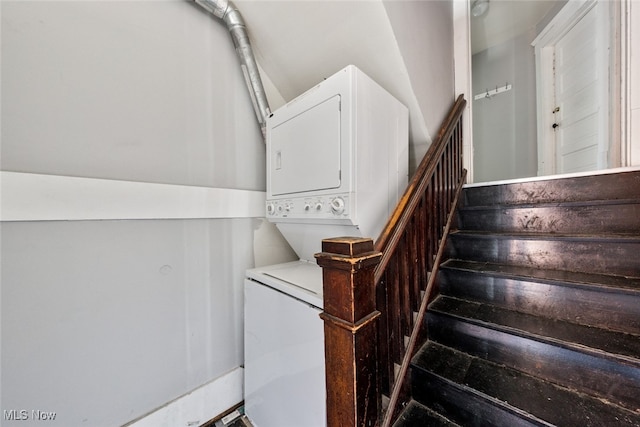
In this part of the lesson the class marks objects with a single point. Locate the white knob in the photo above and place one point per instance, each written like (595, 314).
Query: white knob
(271, 209)
(337, 205)
(307, 207)
(318, 206)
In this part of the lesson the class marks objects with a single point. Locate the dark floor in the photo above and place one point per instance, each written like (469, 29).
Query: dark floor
(234, 419)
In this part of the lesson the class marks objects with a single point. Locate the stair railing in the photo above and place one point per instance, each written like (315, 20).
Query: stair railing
(376, 296)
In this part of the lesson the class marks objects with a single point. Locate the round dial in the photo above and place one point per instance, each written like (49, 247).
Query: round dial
(271, 208)
(337, 205)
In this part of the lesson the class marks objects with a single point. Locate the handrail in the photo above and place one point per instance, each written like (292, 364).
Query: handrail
(390, 234)
(375, 296)
(441, 168)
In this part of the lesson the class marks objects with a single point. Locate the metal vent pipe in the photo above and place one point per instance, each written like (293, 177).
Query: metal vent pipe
(226, 11)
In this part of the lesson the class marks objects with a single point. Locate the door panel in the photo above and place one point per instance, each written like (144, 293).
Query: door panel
(580, 134)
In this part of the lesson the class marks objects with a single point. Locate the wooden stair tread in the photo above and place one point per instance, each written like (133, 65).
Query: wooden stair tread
(610, 237)
(601, 282)
(610, 186)
(552, 204)
(503, 386)
(606, 343)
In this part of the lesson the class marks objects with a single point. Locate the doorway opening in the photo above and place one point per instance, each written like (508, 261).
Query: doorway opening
(517, 129)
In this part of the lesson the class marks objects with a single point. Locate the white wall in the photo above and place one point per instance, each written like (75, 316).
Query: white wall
(140, 91)
(424, 33)
(104, 321)
(504, 126)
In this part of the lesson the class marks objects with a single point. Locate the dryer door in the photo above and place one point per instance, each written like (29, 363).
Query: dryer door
(304, 151)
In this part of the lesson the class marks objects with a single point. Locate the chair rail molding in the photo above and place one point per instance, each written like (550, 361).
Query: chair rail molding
(38, 197)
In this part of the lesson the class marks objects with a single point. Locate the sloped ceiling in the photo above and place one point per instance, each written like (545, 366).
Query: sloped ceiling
(298, 43)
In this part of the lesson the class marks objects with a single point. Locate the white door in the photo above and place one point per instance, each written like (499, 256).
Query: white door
(580, 131)
(572, 61)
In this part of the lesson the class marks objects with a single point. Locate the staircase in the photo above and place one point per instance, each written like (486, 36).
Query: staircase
(537, 320)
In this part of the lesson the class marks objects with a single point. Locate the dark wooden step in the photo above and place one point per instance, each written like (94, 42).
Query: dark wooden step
(601, 254)
(600, 216)
(598, 362)
(613, 186)
(473, 391)
(604, 301)
(418, 415)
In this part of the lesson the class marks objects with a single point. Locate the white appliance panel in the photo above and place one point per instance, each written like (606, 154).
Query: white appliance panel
(306, 150)
(300, 279)
(284, 360)
(306, 239)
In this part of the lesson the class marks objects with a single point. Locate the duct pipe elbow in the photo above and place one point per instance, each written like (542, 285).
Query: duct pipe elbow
(226, 11)
(216, 7)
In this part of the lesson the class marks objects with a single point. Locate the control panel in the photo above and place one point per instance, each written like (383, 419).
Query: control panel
(318, 207)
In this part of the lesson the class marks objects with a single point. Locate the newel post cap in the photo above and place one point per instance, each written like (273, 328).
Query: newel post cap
(348, 253)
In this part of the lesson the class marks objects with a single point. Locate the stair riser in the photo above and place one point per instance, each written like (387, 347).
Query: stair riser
(462, 405)
(600, 187)
(602, 377)
(613, 218)
(584, 305)
(604, 256)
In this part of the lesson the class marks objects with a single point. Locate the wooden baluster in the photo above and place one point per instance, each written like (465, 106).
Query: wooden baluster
(405, 286)
(431, 226)
(415, 263)
(422, 243)
(385, 365)
(350, 331)
(395, 338)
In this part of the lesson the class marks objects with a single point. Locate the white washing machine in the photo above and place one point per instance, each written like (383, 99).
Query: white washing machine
(337, 163)
(284, 346)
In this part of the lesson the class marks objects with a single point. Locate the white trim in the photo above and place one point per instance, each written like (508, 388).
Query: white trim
(564, 20)
(552, 177)
(618, 120)
(624, 67)
(199, 406)
(36, 197)
(544, 44)
(462, 72)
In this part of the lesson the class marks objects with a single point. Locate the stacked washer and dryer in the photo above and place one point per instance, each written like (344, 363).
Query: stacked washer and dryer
(337, 163)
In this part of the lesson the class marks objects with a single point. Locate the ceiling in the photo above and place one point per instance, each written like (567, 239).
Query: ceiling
(506, 19)
(298, 43)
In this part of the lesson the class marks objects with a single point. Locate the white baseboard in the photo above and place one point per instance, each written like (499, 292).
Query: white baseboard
(199, 406)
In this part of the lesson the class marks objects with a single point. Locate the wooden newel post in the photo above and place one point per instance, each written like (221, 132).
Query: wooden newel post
(350, 331)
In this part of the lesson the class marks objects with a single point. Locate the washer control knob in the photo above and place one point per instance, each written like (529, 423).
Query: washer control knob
(288, 207)
(337, 205)
(307, 207)
(271, 208)
(319, 206)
